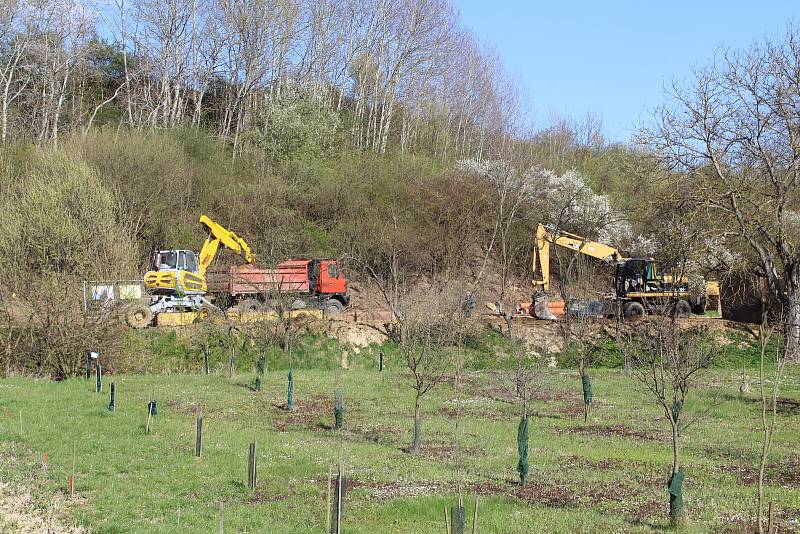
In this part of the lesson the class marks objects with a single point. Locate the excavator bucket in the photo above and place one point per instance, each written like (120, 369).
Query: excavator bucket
(541, 307)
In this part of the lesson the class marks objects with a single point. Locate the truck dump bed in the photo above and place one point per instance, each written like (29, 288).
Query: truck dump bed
(288, 277)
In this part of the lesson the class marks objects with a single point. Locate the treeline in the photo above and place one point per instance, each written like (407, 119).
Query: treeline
(286, 75)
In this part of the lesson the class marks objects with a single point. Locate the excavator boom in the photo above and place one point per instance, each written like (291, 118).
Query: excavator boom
(541, 253)
(218, 234)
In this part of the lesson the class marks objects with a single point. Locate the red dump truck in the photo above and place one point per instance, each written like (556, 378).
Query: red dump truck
(302, 283)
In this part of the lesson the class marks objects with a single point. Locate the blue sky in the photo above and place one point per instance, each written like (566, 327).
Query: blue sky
(613, 57)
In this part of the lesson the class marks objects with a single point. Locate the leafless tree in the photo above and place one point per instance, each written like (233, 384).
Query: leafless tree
(732, 130)
(769, 408)
(430, 332)
(669, 362)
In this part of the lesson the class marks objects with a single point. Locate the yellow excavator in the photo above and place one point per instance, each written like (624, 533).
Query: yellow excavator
(639, 286)
(176, 281)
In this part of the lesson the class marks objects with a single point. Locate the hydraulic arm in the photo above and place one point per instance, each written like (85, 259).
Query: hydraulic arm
(545, 235)
(218, 234)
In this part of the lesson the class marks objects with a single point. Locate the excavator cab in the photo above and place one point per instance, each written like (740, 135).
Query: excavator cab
(175, 260)
(175, 272)
(637, 275)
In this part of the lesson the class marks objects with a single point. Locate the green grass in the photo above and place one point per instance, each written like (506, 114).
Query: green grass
(607, 476)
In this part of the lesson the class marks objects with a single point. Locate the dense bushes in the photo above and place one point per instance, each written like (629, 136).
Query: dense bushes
(300, 206)
(59, 217)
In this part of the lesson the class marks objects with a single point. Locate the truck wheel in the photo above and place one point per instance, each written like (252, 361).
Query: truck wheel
(332, 307)
(682, 309)
(633, 309)
(138, 315)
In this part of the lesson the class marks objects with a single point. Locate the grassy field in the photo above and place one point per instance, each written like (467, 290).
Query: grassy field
(605, 476)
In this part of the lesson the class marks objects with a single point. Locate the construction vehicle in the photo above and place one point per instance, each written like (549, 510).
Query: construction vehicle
(639, 286)
(182, 289)
(294, 284)
(176, 281)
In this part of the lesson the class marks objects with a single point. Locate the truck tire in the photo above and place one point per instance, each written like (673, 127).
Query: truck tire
(633, 309)
(681, 309)
(332, 308)
(138, 315)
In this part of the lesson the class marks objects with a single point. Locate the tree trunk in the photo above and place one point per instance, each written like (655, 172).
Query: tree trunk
(793, 329)
(417, 426)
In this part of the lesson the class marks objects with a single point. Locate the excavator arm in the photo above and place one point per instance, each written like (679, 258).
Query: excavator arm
(219, 235)
(545, 236)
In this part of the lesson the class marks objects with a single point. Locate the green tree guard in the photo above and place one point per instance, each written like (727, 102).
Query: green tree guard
(586, 382)
(88, 364)
(260, 369)
(458, 521)
(152, 409)
(98, 373)
(676, 497)
(522, 448)
(338, 409)
(290, 393)
(112, 405)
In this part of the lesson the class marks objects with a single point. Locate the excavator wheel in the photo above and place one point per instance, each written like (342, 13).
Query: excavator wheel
(633, 309)
(682, 309)
(138, 315)
(203, 313)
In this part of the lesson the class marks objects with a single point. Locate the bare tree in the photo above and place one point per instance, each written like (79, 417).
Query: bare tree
(14, 71)
(430, 332)
(732, 130)
(769, 408)
(578, 328)
(668, 362)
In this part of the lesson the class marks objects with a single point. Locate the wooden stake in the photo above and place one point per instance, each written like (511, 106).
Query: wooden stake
(771, 520)
(446, 521)
(221, 517)
(255, 465)
(72, 476)
(250, 466)
(328, 515)
(148, 428)
(198, 436)
(475, 516)
(339, 503)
